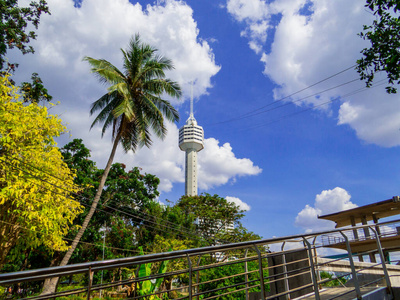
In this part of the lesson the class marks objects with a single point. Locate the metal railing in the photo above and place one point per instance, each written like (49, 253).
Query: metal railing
(384, 230)
(278, 268)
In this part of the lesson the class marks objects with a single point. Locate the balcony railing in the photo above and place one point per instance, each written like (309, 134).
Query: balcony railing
(383, 230)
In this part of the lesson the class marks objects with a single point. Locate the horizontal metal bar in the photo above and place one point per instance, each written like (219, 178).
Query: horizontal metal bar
(101, 265)
(224, 294)
(288, 263)
(290, 291)
(225, 287)
(223, 278)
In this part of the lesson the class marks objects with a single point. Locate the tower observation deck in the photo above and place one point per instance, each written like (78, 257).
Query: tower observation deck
(191, 137)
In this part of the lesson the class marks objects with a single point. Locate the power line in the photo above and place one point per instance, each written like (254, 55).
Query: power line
(70, 240)
(254, 112)
(363, 89)
(188, 233)
(301, 99)
(76, 194)
(80, 196)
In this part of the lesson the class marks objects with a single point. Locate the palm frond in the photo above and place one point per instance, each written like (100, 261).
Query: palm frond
(133, 104)
(106, 104)
(105, 71)
(167, 109)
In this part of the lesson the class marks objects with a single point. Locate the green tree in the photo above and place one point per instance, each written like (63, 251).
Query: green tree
(121, 204)
(237, 235)
(35, 92)
(35, 184)
(213, 214)
(128, 193)
(384, 36)
(133, 107)
(13, 34)
(220, 279)
(168, 222)
(14, 21)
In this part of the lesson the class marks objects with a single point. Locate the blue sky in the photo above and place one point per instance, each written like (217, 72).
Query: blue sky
(287, 164)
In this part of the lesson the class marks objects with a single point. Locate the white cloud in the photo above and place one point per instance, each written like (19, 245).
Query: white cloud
(255, 13)
(247, 9)
(242, 205)
(312, 45)
(99, 28)
(329, 201)
(218, 165)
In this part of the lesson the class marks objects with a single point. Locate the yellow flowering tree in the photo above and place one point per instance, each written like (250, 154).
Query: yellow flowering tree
(36, 206)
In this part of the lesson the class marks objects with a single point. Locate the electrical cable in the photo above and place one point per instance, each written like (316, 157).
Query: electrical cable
(80, 196)
(188, 234)
(70, 240)
(179, 227)
(301, 99)
(250, 113)
(363, 89)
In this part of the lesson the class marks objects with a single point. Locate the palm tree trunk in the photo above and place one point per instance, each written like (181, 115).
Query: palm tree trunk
(50, 285)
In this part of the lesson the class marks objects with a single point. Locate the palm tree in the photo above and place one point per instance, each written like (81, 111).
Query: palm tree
(132, 106)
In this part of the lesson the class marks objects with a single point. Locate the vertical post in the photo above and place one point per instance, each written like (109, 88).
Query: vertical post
(367, 236)
(284, 266)
(190, 276)
(366, 231)
(246, 276)
(313, 276)
(353, 269)
(316, 260)
(197, 289)
(136, 283)
(355, 234)
(261, 272)
(385, 271)
(104, 244)
(378, 230)
(89, 283)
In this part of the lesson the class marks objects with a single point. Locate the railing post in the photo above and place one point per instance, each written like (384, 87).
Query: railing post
(261, 272)
(353, 269)
(381, 255)
(190, 276)
(197, 289)
(316, 260)
(246, 276)
(313, 276)
(284, 266)
(89, 283)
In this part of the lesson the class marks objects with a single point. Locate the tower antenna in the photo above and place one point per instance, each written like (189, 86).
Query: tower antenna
(191, 116)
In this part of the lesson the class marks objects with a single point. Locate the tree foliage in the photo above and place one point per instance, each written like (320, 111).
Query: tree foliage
(213, 213)
(14, 21)
(35, 184)
(209, 281)
(35, 92)
(384, 36)
(13, 26)
(120, 208)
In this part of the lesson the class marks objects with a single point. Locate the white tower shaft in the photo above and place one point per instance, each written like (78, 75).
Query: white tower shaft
(191, 172)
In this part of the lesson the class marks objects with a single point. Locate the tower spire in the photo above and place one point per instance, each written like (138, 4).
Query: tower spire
(191, 120)
(191, 102)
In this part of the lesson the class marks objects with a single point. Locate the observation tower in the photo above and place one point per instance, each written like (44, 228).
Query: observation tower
(191, 137)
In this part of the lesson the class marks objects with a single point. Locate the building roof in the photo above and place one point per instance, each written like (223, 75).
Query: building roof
(382, 209)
